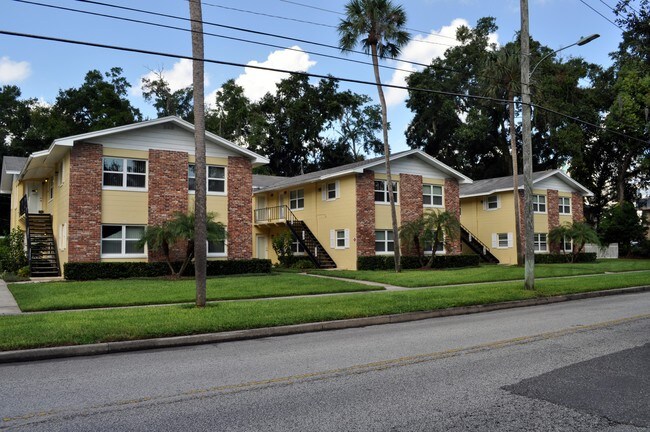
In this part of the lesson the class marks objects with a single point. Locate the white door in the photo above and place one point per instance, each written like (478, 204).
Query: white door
(281, 204)
(261, 215)
(262, 247)
(34, 197)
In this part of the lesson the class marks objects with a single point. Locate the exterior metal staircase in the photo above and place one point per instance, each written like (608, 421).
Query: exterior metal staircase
(41, 246)
(282, 215)
(477, 246)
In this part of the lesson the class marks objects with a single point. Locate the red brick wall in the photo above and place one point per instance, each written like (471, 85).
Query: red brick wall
(168, 193)
(553, 213)
(577, 207)
(240, 208)
(366, 213)
(85, 218)
(452, 205)
(410, 188)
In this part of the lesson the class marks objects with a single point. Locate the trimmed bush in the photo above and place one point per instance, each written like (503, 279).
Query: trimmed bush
(583, 257)
(387, 262)
(122, 270)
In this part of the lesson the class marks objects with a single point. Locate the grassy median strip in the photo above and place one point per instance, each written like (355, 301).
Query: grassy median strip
(485, 273)
(93, 326)
(129, 292)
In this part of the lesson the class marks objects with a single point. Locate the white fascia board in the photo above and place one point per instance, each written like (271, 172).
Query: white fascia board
(491, 192)
(585, 192)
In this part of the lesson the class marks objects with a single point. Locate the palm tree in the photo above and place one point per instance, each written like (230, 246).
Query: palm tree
(440, 226)
(504, 72)
(200, 264)
(412, 235)
(580, 233)
(159, 237)
(379, 26)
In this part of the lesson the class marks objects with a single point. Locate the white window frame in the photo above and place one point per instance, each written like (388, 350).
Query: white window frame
(295, 201)
(217, 254)
(502, 240)
(537, 242)
(50, 189)
(340, 238)
(562, 206)
(296, 247)
(487, 202)
(125, 174)
(329, 194)
(427, 248)
(385, 191)
(431, 195)
(537, 203)
(60, 175)
(565, 243)
(123, 241)
(386, 241)
(207, 179)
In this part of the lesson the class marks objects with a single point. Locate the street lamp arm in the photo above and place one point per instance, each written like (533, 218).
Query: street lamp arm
(581, 42)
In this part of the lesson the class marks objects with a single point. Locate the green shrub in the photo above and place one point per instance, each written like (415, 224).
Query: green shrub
(303, 264)
(12, 251)
(122, 270)
(583, 257)
(12, 277)
(23, 272)
(386, 262)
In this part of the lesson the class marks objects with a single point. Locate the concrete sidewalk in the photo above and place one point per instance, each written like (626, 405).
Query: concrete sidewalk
(8, 305)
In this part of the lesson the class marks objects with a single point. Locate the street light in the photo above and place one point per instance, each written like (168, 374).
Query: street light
(529, 228)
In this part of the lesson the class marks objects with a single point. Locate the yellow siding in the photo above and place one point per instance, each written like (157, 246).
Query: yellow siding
(123, 153)
(125, 207)
(60, 210)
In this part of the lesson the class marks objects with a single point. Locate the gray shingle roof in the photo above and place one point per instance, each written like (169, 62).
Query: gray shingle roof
(14, 163)
(488, 186)
(262, 181)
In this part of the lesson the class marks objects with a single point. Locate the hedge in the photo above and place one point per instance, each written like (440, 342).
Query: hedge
(387, 262)
(122, 270)
(582, 257)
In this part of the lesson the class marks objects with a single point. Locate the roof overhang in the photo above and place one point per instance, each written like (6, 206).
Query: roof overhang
(7, 179)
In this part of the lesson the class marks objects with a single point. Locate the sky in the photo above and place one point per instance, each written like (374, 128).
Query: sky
(41, 68)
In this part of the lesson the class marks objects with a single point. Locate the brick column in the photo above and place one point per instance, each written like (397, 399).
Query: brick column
(85, 216)
(240, 208)
(410, 202)
(168, 194)
(577, 207)
(452, 205)
(553, 213)
(366, 213)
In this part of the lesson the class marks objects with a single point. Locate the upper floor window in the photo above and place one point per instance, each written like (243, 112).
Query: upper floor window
(432, 195)
(331, 191)
(297, 199)
(492, 202)
(539, 203)
(381, 191)
(125, 173)
(122, 241)
(565, 205)
(215, 178)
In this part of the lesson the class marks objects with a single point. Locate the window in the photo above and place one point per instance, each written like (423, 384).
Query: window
(331, 191)
(432, 195)
(428, 247)
(501, 240)
(567, 244)
(539, 203)
(60, 173)
(540, 244)
(297, 199)
(125, 173)
(565, 205)
(340, 239)
(63, 237)
(121, 241)
(384, 241)
(51, 188)
(216, 248)
(492, 202)
(296, 247)
(381, 191)
(215, 178)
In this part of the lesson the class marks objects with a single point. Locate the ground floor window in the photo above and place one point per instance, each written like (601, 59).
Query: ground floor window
(540, 244)
(428, 247)
(217, 248)
(122, 241)
(567, 244)
(502, 240)
(340, 239)
(384, 241)
(296, 247)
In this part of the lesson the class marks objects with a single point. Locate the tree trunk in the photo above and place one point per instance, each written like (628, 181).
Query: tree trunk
(515, 177)
(620, 178)
(389, 180)
(200, 221)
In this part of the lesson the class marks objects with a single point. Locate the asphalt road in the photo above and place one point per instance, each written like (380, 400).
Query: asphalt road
(578, 366)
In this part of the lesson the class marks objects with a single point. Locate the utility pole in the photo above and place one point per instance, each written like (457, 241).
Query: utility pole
(529, 228)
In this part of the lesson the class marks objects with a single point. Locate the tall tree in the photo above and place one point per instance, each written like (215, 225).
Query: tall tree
(200, 222)
(379, 26)
(168, 102)
(14, 120)
(234, 116)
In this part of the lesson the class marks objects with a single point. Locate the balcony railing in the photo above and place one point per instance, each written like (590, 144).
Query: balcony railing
(23, 210)
(270, 215)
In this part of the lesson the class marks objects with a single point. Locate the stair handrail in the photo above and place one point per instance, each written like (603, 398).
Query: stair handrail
(474, 237)
(24, 210)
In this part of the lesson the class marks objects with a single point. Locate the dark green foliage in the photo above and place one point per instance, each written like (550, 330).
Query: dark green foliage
(12, 252)
(642, 249)
(584, 257)
(386, 262)
(168, 102)
(621, 224)
(123, 270)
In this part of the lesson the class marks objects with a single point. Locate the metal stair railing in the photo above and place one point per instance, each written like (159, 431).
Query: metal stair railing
(471, 238)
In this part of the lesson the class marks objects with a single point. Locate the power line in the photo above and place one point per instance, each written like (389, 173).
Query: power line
(307, 74)
(133, 20)
(603, 16)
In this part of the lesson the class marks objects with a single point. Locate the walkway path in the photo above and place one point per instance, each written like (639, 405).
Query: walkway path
(8, 305)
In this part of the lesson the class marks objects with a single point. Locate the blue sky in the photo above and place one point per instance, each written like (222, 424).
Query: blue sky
(41, 68)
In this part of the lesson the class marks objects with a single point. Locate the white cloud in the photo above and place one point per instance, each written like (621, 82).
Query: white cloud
(180, 76)
(13, 71)
(257, 83)
(421, 50)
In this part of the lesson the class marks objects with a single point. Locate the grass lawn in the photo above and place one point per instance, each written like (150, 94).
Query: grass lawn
(485, 273)
(128, 292)
(92, 326)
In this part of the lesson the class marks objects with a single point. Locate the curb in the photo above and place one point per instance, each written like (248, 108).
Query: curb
(237, 335)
